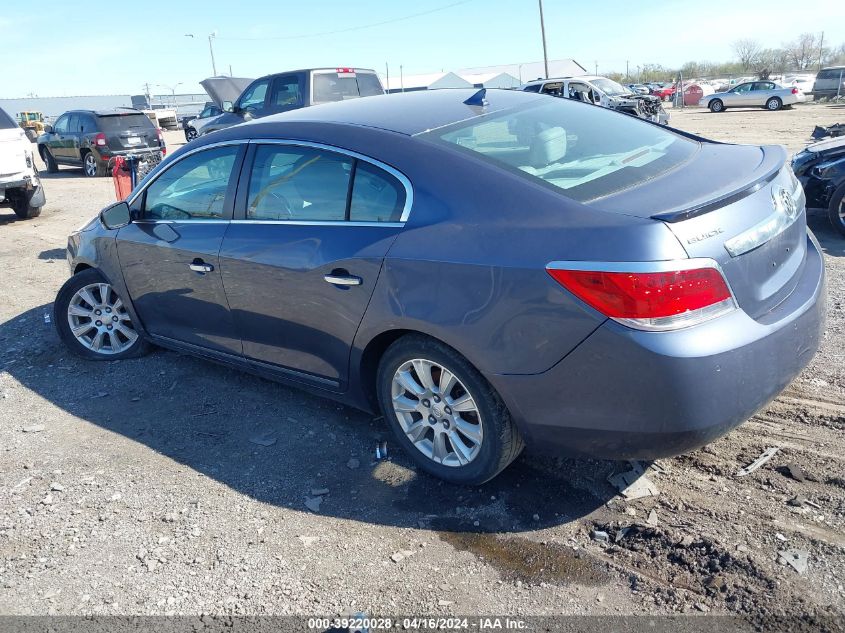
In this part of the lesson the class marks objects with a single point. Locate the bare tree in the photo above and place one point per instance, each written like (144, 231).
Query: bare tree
(804, 51)
(747, 51)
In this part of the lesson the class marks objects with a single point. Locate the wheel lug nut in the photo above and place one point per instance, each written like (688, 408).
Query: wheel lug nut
(114, 318)
(437, 398)
(432, 419)
(426, 403)
(108, 310)
(108, 327)
(98, 323)
(448, 410)
(445, 423)
(98, 312)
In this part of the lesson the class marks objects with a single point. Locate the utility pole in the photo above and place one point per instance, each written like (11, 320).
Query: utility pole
(597, 67)
(543, 33)
(401, 78)
(211, 36)
(386, 76)
(627, 74)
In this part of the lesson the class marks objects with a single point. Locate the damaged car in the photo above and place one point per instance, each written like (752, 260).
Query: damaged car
(604, 92)
(20, 187)
(821, 169)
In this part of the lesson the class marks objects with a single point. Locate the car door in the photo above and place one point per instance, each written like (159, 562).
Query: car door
(760, 92)
(740, 96)
(73, 139)
(301, 258)
(286, 93)
(253, 102)
(58, 140)
(169, 254)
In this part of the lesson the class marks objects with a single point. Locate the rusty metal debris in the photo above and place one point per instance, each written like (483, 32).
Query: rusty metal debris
(766, 456)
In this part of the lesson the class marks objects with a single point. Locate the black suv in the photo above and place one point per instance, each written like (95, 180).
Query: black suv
(90, 138)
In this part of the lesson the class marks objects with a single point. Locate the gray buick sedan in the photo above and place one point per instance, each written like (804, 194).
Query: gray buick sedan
(486, 270)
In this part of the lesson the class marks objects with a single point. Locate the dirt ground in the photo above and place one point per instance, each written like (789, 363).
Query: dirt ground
(169, 485)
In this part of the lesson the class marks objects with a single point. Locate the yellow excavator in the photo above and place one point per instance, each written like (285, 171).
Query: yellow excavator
(32, 124)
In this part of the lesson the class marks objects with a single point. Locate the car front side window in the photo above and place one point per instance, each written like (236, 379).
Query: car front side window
(61, 125)
(194, 188)
(254, 96)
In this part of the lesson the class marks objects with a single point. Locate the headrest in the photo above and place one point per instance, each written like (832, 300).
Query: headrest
(548, 147)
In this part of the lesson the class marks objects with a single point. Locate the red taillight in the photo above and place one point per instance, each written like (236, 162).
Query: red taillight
(161, 142)
(795, 91)
(100, 140)
(653, 300)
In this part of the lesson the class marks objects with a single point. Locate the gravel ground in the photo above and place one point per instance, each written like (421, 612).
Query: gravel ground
(169, 485)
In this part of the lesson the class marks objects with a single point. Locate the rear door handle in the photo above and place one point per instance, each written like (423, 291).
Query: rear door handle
(199, 266)
(343, 280)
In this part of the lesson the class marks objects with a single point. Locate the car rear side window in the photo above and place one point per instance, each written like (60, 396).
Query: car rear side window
(583, 151)
(377, 196)
(194, 188)
(369, 85)
(286, 91)
(298, 183)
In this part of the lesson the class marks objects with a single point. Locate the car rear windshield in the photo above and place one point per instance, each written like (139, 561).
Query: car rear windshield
(6, 122)
(331, 86)
(583, 150)
(118, 122)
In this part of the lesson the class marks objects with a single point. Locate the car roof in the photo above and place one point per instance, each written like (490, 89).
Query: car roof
(108, 112)
(582, 77)
(406, 112)
(309, 70)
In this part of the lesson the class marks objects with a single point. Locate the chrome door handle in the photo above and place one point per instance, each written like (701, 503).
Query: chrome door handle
(201, 268)
(343, 280)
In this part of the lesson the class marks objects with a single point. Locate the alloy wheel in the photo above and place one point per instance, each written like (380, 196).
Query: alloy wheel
(90, 165)
(437, 413)
(99, 320)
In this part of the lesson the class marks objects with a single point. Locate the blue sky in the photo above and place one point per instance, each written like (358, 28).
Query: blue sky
(70, 47)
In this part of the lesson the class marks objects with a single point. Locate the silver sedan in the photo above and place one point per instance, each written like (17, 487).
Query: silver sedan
(763, 94)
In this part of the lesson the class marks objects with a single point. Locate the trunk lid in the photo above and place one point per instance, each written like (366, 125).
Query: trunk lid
(738, 206)
(127, 132)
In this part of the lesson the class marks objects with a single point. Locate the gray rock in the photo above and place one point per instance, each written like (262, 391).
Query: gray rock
(600, 535)
(56, 487)
(34, 428)
(313, 503)
(353, 463)
(652, 518)
(798, 559)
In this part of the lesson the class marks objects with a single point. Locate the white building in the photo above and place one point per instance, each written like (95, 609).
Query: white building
(429, 81)
(528, 71)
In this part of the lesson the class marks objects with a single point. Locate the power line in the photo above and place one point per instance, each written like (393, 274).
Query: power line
(350, 29)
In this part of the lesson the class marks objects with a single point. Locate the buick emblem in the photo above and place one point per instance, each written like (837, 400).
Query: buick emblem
(783, 202)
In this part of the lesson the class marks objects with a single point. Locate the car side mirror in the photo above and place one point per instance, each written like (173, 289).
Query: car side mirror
(48, 129)
(228, 107)
(116, 216)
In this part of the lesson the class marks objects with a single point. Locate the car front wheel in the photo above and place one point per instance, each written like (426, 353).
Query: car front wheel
(444, 414)
(49, 161)
(93, 321)
(836, 210)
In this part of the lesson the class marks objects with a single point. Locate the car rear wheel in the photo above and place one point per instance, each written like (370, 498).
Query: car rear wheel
(716, 105)
(774, 104)
(49, 161)
(93, 321)
(444, 414)
(836, 210)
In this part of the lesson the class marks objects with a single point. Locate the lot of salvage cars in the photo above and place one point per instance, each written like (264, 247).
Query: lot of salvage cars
(166, 484)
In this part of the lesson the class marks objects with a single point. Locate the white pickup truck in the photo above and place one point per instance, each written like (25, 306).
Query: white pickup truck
(20, 186)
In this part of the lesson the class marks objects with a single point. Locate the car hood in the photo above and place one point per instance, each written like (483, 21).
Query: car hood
(832, 145)
(222, 89)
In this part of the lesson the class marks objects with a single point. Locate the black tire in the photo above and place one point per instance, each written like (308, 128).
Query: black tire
(30, 134)
(52, 165)
(501, 442)
(190, 134)
(716, 105)
(836, 210)
(22, 208)
(60, 318)
(774, 104)
(92, 166)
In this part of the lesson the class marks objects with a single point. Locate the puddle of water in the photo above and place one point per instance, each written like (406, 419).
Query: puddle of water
(529, 561)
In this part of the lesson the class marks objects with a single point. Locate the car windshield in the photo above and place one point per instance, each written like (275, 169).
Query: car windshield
(583, 151)
(6, 122)
(116, 123)
(610, 87)
(332, 86)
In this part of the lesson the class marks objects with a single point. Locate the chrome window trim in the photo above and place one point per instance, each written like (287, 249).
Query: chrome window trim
(402, 178)
(321, 223)
(660, 266)
(196, 150)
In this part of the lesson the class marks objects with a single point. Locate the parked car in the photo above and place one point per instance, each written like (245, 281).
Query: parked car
(664, 93)
(190, 126)
(763, 94)
(20, 186)
(91, 138)
(604, 92)
(562, 300)
(638, 89)
(821, 169)
(830, 82)
(292, 90)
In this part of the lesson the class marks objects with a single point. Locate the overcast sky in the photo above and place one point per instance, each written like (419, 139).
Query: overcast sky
(61, 47)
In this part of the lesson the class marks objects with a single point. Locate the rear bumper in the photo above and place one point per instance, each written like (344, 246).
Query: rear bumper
(627, 394)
